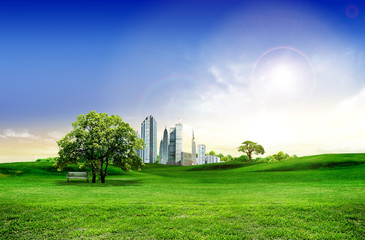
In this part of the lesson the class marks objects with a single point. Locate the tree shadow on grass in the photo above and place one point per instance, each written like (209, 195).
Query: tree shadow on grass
(108, 182)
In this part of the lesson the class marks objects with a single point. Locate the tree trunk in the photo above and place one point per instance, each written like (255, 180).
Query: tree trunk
(102, 178)
(94, 178)
(93, 170)
(102, 172)
(106, 168)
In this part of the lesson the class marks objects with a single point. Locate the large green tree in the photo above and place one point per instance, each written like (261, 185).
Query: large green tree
(98, 140)
(250, 148)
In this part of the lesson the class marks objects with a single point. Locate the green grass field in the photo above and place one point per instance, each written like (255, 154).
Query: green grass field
(314, 197)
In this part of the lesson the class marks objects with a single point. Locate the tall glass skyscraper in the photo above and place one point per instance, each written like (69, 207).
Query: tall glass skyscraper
(172, 147)
(193, 150)
(149, 136)
(164, 148)
(160, 153)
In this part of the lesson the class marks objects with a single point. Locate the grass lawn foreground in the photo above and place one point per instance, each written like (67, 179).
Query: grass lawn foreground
(313, 197)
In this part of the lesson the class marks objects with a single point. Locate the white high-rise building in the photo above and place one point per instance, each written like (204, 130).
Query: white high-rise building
(201, 154)
(179, 142)
(149, 136)
(193, 150)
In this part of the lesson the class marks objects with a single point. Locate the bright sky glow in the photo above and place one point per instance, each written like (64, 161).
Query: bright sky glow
(284, 73)
(287, 74)
(282, 79)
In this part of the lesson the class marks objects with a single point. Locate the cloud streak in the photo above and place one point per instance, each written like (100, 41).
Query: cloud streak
(21, 133)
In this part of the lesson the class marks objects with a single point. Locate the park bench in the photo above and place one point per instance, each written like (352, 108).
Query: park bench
(80, 175)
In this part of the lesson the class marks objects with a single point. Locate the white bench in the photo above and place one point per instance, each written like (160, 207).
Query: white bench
(80, 175)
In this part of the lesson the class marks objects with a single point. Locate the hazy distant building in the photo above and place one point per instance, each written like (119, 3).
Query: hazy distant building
(201, 154)
(179, 142)
(186, 159)
(212, 159)
(149, 136)
(160, 160)
(139, 152)
(193, 150)
(172, 147)
(164, 148)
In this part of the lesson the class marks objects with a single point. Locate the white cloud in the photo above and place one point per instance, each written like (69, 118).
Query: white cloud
(343, 128)
(57, 134)
(217, 74)
(232, 73)
(22, 133)
(229, 112)
(23, 145)
(356, 102)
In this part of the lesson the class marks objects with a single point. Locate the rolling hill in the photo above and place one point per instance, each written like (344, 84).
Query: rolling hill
(313, 197)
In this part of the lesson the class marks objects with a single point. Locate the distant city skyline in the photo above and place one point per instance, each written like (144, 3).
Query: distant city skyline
(172, 152)
(286, 74)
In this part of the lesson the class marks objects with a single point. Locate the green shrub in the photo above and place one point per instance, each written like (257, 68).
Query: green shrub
(280, 156)
(242, 158)
(50, 159)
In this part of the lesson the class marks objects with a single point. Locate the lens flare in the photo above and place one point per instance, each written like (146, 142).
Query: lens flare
(352, 11)
(283, 73)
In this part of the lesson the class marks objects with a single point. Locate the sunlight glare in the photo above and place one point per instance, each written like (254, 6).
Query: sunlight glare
(283, 73)
(283, 78)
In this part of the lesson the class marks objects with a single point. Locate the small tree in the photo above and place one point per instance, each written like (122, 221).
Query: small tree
(98, 140)
(280, 156)
(250, 148)
(212, 153)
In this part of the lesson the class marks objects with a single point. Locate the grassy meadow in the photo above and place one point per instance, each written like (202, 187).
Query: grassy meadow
(314, 197)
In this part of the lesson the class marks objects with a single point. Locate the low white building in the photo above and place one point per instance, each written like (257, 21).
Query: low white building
(212, 159)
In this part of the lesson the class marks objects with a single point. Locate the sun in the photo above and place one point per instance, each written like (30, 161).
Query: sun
(284, 78)
(283, 73)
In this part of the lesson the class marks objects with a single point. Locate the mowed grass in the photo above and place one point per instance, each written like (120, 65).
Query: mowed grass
(314, 197)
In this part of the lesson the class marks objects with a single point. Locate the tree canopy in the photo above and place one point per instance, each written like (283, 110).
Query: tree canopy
(212, 153)
(98, 140)
(249, 148)
(280, 156)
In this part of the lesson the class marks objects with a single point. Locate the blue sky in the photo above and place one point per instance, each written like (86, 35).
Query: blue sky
(288, 74)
